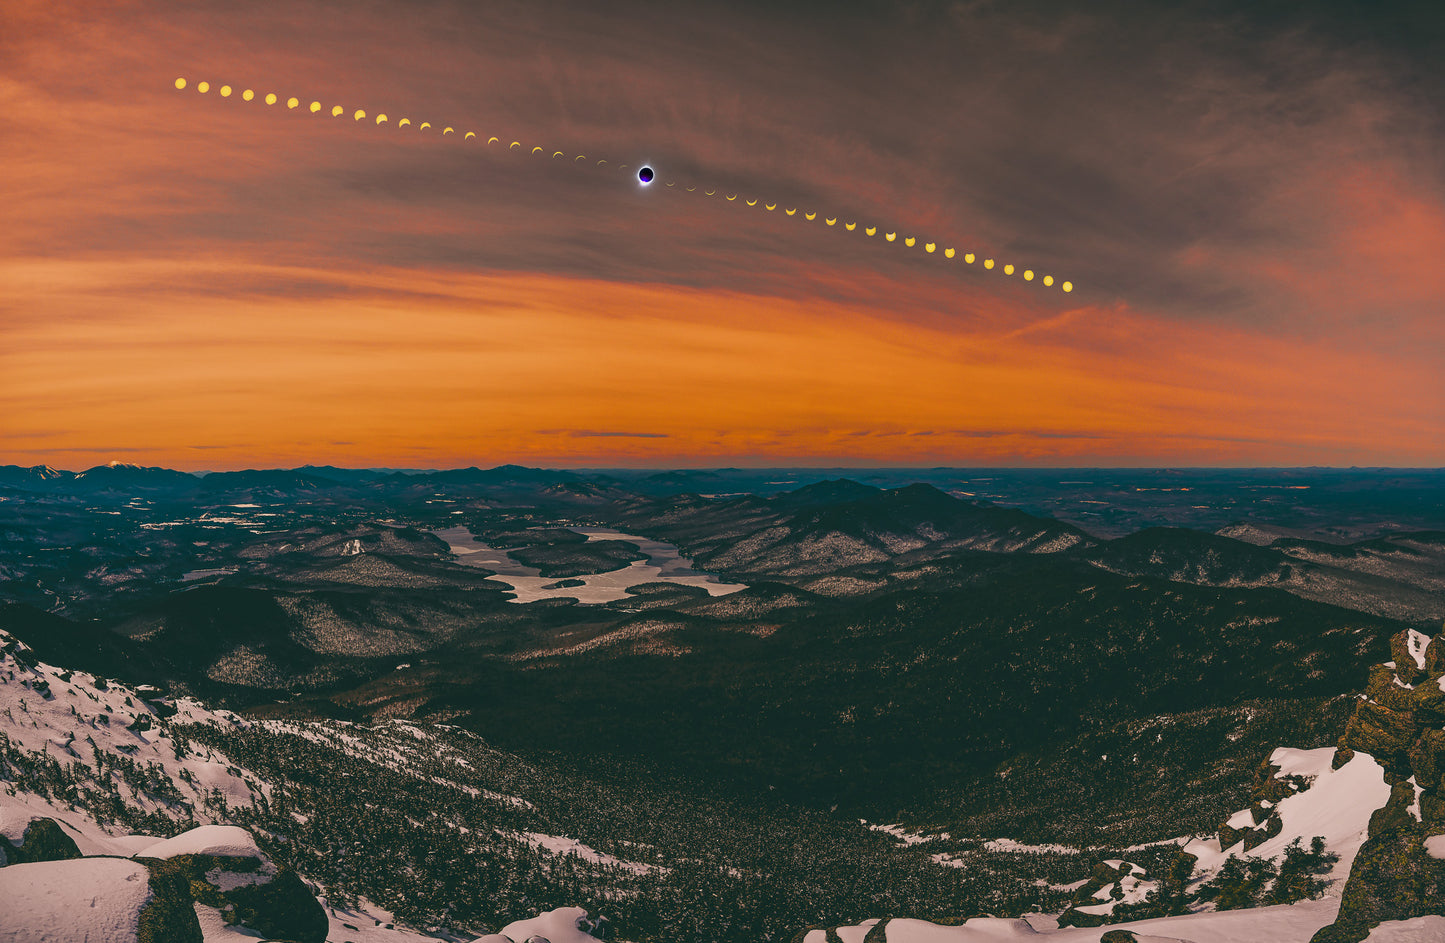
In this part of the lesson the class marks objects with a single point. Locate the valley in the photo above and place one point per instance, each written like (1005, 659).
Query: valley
(683, 708)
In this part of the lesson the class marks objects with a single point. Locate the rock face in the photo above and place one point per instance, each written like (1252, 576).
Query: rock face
(170, 916)
(224, 869)
(1400, 721)
(43, 840)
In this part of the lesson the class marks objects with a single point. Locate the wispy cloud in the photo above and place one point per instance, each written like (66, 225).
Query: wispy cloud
(1252, 207)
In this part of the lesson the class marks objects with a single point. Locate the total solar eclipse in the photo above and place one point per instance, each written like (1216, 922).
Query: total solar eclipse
(645, 175)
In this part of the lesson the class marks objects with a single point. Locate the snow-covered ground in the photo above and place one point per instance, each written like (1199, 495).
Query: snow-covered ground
(1337, 806)
(89, 724)
(86, 900)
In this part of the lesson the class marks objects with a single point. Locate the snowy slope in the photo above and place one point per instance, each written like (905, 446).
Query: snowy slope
(1337, 806)
(71, 717)
(113, 742)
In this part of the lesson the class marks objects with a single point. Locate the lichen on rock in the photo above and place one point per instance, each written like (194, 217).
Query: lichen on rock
(1399, 723)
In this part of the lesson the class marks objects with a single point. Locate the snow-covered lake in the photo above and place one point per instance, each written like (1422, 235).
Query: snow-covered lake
(664, 564)
(189, 575)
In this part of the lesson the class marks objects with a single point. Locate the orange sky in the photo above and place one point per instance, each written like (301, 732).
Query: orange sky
(209, 284)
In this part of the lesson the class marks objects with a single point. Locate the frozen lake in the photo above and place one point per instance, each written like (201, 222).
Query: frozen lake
(189, 575)
(664, 564)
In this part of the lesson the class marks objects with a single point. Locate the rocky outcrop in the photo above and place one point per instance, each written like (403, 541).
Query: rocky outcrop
(1112, 884)
(224, 869)
(1400, 721)
(1260, 822)
(43, 840)
(170, 915)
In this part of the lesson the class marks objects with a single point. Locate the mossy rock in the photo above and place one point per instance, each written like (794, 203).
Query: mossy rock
(44, 840)
(1119, 936)
(1429, 700)
(1258, 836)
(1405, 665)
(1382, 689)
(1395, 813)
(279, 905)
(1427, 758)
(1432, 807)
(1393, 878)
(1435, 656)
(170, 915)
(1385, 734)
(1268, 785)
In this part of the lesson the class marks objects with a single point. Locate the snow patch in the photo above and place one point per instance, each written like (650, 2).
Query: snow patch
(1337, 806)
(556, 926)
(1417, 643)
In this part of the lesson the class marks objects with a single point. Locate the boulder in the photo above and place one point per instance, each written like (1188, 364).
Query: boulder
(1393, 878)
(224, 869)
(171, 913)
(1382, 689)
(42, 840)
(1435, 656)
(1432, 808)
(1255, 837)
(1229, 836)
(1429, 700)
(1405, 666)
(1385, 734)
(1427, 758)
(1395, 813)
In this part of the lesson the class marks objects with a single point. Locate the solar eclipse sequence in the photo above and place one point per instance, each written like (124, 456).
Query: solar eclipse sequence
(644, 174)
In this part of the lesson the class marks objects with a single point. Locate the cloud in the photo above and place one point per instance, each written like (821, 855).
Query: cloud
(597, 434)
(1250, 203)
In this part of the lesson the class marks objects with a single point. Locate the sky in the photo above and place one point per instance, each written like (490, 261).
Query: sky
(1247, 199)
